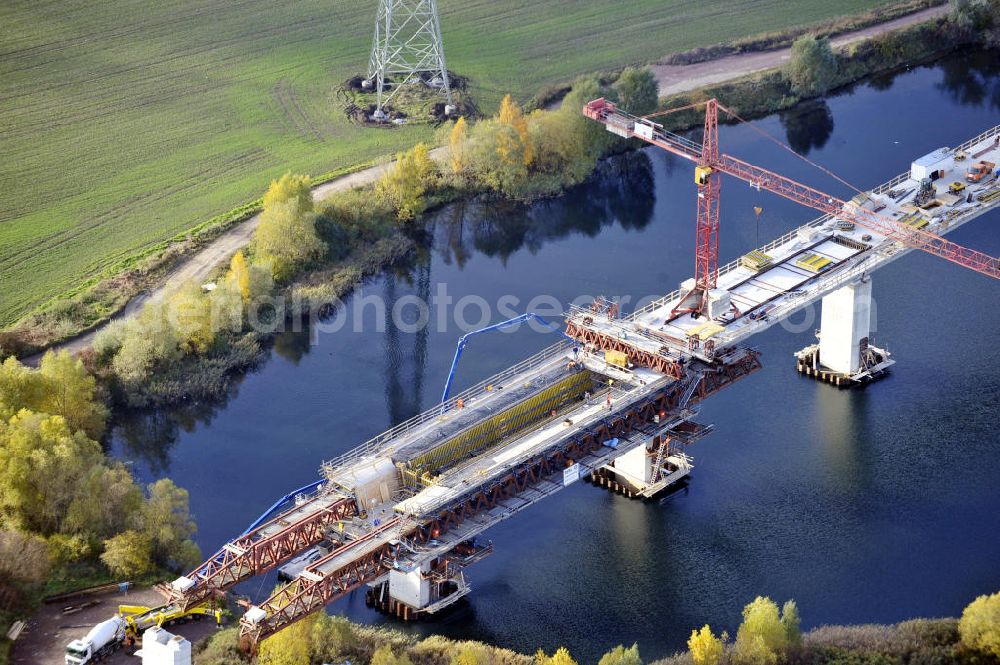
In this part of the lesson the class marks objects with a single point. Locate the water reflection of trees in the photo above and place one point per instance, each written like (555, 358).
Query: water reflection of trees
(807, 126)
(147, 436)
(292, 345)
(404, 395)
(972, 79)
(620, 192)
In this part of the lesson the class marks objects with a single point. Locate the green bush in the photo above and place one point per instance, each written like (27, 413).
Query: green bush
(812, 69)
(129, 554)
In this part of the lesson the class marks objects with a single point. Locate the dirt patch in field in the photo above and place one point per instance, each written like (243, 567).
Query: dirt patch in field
(44, 640)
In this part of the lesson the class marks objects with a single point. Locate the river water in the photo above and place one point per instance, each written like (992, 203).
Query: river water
(870, 505)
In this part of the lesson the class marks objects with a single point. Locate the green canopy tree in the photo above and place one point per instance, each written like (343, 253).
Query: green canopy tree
(167, 520)
(638, 91)
(405, 183)
(129, 554)
(761, 637)
(812, 67)
(622, 656)
(70, 391)
(43, 466)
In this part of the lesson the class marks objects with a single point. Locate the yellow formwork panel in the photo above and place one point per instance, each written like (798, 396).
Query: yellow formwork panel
(914, 220)
(813, 262)
(616, 358)
(422, 470)
(755, 260)
(706, 330)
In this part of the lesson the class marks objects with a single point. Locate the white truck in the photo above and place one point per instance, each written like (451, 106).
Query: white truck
(102, 639)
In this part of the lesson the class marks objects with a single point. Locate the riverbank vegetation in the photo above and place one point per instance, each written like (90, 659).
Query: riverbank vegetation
(815, 68)
(770, 41)
(69, 516)
(765, 636)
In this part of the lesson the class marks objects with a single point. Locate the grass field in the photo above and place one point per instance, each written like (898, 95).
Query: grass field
(125, 122)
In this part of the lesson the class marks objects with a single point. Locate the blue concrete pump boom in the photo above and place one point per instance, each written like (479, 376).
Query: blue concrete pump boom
(463, 340)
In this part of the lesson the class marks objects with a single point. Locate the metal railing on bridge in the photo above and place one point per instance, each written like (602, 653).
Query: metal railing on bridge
(467, 397)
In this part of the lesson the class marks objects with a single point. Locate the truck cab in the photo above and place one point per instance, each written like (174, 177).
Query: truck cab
(102, 639)
(77, 653)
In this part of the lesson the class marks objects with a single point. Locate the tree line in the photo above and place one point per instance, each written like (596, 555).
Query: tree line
(65, 508)
(767, 635)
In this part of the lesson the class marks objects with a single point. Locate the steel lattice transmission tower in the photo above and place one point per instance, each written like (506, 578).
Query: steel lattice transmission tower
(407, 42)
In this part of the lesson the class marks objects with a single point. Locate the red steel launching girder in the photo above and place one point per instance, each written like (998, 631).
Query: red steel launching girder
(625, 124)
(254, 553)
(314, 591)
(639, 357)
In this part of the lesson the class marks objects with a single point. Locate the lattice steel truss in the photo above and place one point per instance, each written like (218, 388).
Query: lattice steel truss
(407, 42)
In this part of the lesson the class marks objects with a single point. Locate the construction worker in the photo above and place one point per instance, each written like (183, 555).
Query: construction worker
(609, 400)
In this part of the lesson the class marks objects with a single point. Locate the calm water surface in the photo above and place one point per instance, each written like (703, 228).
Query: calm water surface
(865, 506)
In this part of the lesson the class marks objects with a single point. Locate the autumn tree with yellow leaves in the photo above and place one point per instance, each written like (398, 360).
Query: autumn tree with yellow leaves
(513, 140)
(705, 647)
(290, 187)
(560, 657)
(457, 159)
(979, 626)
(239, 275)
(406, 182)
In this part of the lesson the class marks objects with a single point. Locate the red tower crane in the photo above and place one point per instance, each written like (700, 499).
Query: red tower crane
(709, 163)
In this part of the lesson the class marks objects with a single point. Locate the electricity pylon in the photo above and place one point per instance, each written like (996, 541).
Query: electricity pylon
(407, 42)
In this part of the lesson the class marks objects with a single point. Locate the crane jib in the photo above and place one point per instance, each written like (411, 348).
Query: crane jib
(627, 125)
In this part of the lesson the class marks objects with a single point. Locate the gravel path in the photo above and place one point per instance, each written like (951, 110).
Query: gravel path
(201, 264)
(683, 78)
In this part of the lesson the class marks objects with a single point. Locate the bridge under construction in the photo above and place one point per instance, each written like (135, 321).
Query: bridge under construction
(616, 400)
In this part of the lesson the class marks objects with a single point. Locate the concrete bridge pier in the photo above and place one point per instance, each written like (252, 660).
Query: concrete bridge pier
(645, 470)
(845, 355)
(423, 588)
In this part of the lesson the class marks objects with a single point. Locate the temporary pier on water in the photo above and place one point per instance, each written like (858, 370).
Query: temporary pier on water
(616, 402)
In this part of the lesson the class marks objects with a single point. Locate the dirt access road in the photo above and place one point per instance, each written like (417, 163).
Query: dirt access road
(672, 79)
(683, 78)
(199, 265)
(50, 630)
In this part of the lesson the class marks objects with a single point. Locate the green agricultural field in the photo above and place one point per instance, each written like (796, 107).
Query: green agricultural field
(125, 122)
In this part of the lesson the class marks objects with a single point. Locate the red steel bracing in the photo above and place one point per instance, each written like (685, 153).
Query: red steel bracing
(608, 114)
(312, 592)
(254, 553)
(313, 589)
(636, 356)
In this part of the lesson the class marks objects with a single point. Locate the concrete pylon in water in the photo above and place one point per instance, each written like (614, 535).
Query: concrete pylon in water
(846, 327)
